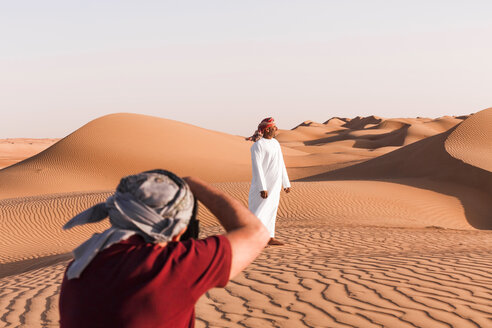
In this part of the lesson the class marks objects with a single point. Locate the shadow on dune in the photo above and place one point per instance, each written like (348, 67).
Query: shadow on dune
(374, 141)
(368, 141)
(425, 164)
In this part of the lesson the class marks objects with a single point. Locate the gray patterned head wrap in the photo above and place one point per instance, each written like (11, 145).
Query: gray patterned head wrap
(156, 205)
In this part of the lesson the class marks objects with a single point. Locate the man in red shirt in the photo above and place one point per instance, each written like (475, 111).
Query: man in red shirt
(138, 273)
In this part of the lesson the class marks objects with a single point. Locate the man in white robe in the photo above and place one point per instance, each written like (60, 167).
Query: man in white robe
(269, 176)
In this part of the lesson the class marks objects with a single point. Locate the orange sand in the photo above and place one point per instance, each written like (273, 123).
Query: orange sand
(387, 224)
(15, 150)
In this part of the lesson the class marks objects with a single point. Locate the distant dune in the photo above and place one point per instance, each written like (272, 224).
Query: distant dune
(14, 150)
(453, 162)
(428, 158)
(386, 224)
(342, 142)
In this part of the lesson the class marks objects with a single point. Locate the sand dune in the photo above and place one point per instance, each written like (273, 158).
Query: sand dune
(342, 142)
(471, 141)
(381, 226)
(424, 163)
(429, 157)
(369, 133)
(98, 154)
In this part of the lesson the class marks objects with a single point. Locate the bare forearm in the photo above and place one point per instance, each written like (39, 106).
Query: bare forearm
(246, 234)
(230, 212)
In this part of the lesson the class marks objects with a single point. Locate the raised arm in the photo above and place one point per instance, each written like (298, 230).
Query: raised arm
(247, 235)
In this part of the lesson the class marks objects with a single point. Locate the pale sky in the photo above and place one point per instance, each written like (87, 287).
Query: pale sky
(225, 65)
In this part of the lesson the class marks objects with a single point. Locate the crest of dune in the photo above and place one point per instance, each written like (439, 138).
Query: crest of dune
(361, 122)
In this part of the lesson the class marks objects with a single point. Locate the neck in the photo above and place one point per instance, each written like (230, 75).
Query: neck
(268, 137)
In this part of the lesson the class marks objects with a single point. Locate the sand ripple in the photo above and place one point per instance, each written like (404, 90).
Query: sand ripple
(361, 277)
(323, 277)
(34, 223)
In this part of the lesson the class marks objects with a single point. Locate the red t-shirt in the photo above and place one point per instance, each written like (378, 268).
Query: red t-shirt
(138, 284)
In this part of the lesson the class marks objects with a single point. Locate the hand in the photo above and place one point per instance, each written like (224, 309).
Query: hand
(287, 190)
(264, 194)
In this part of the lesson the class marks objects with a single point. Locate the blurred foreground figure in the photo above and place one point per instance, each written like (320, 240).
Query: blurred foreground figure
(138, 273)
(269, 175)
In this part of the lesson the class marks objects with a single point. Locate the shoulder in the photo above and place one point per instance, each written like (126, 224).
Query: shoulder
(257, 145)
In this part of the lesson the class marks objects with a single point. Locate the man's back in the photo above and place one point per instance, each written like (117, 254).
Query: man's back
(138, 284)
(268, 165)
(270, 148)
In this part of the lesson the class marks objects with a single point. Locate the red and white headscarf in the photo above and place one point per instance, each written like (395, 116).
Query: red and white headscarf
(266, 123)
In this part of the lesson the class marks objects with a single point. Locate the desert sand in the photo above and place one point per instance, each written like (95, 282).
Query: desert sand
(14, 150)
(388, 223)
